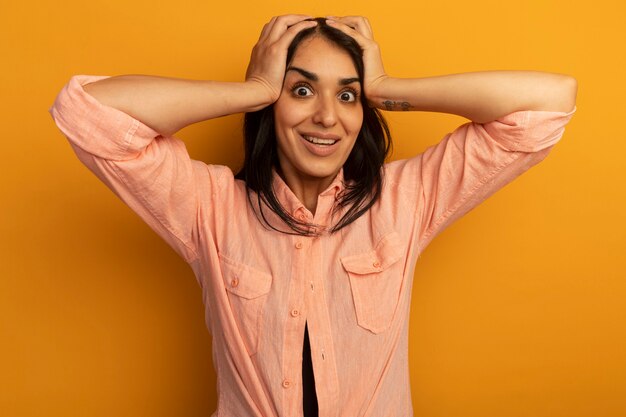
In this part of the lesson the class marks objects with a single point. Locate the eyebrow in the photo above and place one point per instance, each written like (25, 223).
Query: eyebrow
(313, 77)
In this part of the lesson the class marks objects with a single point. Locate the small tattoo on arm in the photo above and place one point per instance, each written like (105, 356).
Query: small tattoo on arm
(392, 105)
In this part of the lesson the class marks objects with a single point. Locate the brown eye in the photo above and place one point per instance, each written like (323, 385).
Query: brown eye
(347, 96)
(302, 91)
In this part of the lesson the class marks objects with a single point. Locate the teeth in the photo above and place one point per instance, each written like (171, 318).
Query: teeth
(319, 141)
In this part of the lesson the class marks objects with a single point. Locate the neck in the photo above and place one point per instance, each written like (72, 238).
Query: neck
(306, 189)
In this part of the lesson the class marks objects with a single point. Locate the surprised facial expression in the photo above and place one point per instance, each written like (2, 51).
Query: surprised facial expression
(318, 115)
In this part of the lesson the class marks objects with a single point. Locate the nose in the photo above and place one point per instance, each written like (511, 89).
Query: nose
(325, 112)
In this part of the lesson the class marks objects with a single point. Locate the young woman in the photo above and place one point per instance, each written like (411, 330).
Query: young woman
(306, 257)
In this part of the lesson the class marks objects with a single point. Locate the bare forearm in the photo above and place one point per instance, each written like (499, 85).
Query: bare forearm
(169, 104)
(480, 96)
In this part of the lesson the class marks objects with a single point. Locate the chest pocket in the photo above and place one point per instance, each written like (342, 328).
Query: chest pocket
(376, 281)
(247, 290)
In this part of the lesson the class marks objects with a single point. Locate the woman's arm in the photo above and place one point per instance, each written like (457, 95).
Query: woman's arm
(122, 129)
(517, 117)
(168, 104)
(479, 96)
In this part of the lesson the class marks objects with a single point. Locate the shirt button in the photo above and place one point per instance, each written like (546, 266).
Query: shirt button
(286, 383)
(295, 313)
(376, 264)
(301, 216)
(234, 282)
(299, 245)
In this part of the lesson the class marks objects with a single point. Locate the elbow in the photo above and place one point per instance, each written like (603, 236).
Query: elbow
(571, 90)
(558, 94)
(565, 94)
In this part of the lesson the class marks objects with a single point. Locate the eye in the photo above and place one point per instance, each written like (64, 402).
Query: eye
(348, 96)
(301, 90)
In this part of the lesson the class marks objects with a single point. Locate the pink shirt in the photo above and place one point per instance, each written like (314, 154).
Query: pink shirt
(260, 286)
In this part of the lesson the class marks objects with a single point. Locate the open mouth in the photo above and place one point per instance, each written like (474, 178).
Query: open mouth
(319, 141)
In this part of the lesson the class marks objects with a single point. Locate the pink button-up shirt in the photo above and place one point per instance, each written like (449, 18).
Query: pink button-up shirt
(260, 287)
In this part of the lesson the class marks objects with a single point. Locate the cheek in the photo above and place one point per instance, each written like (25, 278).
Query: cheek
(354, 121)
(285, 119)
(287, 115)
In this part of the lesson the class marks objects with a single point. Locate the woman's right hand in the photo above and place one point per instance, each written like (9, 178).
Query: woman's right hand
(268, 61)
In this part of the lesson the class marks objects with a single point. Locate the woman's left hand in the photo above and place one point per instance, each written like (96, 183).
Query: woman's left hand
(359, 28)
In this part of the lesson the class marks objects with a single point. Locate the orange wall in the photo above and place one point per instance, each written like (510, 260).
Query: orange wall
(518, 309)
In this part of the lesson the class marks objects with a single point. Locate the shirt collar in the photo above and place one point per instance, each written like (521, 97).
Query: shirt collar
(292, 205)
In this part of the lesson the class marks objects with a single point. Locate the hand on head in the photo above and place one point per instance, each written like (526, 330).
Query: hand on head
(268, 60)
(359, 28)
(269, 55)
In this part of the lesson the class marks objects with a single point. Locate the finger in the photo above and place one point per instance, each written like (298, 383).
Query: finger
(348, 30)
(267, 28)
(351, 20)
(282, 23)
(358, 23)
(288, 36)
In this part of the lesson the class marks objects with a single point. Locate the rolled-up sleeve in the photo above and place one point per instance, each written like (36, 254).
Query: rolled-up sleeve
(100, 130)
(524, 131)
(474, 161)
(152, 174)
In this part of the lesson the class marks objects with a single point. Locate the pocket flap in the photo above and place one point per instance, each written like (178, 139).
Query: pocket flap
(387, 252)
(244, 280)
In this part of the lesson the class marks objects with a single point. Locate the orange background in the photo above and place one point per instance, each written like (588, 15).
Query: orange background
(518, 309)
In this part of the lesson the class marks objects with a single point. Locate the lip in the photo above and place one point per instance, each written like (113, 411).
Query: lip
(321, 135)
(320, 150)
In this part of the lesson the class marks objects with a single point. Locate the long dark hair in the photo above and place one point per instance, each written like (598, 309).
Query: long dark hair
(362, 170)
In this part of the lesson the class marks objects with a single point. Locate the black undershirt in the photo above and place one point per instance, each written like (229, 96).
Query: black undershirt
(309, 402)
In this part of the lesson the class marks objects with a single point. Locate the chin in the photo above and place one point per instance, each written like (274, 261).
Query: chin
(321, 174)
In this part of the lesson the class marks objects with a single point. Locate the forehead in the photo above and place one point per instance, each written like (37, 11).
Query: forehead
(324, 58)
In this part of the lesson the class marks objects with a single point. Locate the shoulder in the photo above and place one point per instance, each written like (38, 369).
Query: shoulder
(403, 173)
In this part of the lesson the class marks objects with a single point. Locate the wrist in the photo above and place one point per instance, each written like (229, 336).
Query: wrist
(379, 92)
(261, 92)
